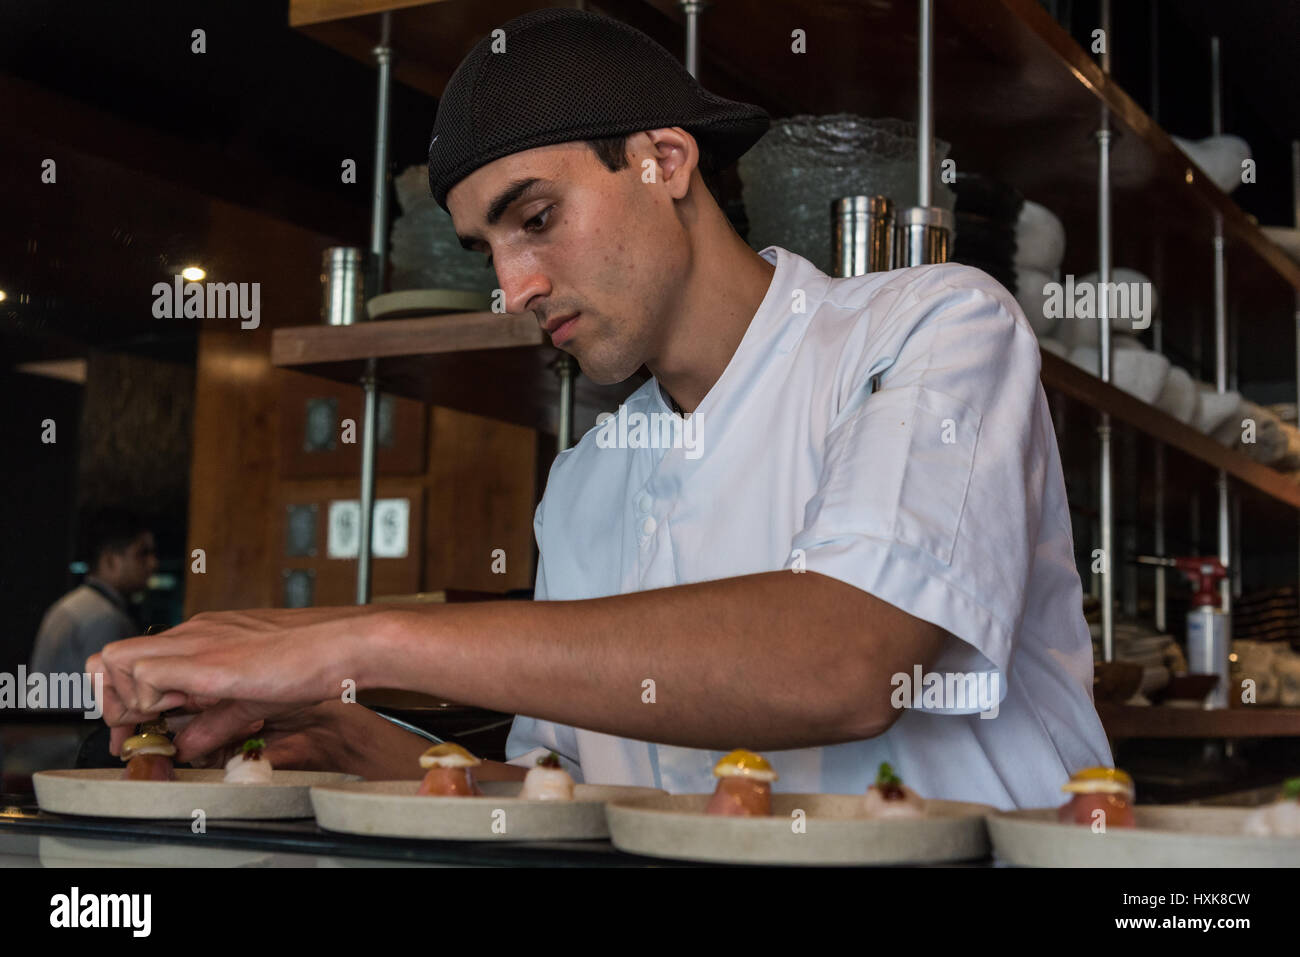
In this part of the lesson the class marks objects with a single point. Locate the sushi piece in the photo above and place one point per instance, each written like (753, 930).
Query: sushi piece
(249, 766)
(1279, 819)
(451, 772)
(548, 781)
(889, 797)
(148, 754)
(744, 785)
(1108, 790)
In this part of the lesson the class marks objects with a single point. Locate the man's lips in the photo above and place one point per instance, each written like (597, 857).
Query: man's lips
(552, 324)
(560, 327)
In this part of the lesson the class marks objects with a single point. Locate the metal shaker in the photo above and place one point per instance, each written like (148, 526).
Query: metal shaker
(343, 284)
(862, 230)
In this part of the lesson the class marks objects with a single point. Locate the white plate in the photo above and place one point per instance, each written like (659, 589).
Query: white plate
(1165, 836)
(407, 303)
(101, 792)
(105, 852)
(834, 832)
(393, 809)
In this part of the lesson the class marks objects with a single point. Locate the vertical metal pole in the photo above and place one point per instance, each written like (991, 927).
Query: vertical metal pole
(1126, 461)
(564, 430)
(379, 264)
(925, 105)
(1162, 582)
(1221, 386)
(1107, 516)
(1295, 218)
(692, 9)
(1221, 337)
(1158, 344)
(1162, 594)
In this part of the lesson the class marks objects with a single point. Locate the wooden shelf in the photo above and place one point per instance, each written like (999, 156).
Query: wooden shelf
(1063, 376)
(1015, 95)
(1129, 721)
(496, 365)
(500, 366)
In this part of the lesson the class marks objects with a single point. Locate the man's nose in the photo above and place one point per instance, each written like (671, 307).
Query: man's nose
(522, 286)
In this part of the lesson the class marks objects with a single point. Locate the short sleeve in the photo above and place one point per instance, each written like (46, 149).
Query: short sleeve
(931, 487)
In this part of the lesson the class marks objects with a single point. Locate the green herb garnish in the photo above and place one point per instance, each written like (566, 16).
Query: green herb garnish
(886, 777)
(254, 744)
(549, 760)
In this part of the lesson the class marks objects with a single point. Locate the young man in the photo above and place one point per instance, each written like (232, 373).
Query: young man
(832, 574)
(120, 555)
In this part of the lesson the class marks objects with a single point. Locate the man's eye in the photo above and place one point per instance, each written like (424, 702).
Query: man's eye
(539, 220)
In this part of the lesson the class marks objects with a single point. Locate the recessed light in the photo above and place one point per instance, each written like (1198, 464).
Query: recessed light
(193, 273)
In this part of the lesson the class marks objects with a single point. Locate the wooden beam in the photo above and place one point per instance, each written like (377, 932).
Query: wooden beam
(303, 12)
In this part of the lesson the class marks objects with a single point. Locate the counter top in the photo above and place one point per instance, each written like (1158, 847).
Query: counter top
(32, 838)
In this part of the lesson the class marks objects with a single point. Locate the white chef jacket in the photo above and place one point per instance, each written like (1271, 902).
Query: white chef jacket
(940, 493)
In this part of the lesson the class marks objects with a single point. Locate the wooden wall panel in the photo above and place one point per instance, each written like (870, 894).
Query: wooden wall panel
(478, 479)
(232, 472)
(481, 497)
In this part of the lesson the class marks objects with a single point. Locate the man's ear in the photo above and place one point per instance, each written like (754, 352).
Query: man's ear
(676, 154)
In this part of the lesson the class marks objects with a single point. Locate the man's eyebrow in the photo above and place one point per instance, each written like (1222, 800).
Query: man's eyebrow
(519, 189)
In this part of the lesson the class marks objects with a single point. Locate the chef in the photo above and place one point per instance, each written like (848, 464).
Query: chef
(863, 553)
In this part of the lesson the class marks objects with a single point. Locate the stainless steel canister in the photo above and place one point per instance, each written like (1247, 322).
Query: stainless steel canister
(924, 235)
(343, 286)
(862, 229)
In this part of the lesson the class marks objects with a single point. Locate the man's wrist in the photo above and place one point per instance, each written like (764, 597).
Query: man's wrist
(370, 643)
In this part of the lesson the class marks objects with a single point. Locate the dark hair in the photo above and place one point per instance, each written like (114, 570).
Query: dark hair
(111, 529)
(612, 152)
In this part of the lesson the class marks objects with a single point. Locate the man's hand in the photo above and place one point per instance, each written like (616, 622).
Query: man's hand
(236, 667)
(331, 736)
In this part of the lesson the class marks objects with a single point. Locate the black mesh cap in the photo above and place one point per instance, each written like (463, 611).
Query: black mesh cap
(568, 75)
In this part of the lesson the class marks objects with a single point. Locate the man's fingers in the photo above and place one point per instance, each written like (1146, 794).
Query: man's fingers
(228, 721)
(117, 737)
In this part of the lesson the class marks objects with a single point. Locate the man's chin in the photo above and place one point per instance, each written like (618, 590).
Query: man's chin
(603, 374)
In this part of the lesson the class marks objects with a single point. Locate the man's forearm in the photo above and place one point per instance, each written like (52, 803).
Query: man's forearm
(775, 660)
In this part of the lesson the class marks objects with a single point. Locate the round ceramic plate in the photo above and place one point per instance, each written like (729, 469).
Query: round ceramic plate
(393, 809)
(833, 831)
(406, 303)
(1165, 836)
(101, 792)
(100, 852)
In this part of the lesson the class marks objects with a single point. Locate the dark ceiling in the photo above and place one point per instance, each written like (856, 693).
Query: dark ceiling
(148, 135)
(263, 117)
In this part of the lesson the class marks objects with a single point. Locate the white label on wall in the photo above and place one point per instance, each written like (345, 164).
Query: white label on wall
(345, 529)
(392, 520)
(389, 536)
